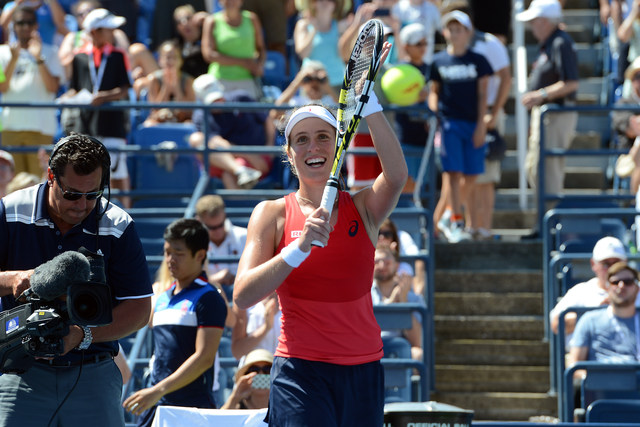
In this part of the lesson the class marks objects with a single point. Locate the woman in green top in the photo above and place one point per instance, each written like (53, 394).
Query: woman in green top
(232, 43)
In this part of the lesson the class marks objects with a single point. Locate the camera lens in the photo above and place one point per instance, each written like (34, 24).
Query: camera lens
(85, 306)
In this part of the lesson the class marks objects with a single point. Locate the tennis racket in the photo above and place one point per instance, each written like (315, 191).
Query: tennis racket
(359, 77)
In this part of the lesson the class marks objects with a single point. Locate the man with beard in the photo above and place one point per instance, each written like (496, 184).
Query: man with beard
(391, 287)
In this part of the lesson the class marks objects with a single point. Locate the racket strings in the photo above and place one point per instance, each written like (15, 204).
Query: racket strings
(359, 75)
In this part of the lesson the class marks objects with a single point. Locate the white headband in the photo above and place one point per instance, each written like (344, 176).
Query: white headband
(316, 111)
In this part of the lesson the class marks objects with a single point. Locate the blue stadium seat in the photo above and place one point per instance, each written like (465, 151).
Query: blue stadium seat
(275, 70)
(148, 174)
(397, 380)
(613, 411)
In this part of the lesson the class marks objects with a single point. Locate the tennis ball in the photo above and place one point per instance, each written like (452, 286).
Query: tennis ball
(402, 84)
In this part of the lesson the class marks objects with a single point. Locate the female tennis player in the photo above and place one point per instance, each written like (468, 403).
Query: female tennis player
(327, 369)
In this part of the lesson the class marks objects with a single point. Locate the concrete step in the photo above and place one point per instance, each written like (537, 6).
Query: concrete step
(575, 177)
(584, 140)
(489, 327)
(515, 379)
(506, 216)
(501, 406)
(496, 281)
(471, 352)
(486, 303)
(488, 255)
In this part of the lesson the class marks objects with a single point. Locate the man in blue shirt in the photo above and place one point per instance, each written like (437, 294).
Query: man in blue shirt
(82, 386)
(188, 321)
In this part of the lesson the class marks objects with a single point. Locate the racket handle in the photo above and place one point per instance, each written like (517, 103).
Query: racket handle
(328, 198)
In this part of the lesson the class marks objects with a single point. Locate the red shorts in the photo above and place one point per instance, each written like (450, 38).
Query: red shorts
(363, 170)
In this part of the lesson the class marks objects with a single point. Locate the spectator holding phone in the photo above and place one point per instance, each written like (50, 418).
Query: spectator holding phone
(253, 379)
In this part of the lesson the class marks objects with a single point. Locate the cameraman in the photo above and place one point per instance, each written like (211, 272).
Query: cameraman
(83, 385)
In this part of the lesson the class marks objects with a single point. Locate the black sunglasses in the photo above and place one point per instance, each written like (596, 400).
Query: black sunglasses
(386, 234)
(74, 195)
(27, 23)
(259, 369)
(216, 227)
(309, 79)
(626, 282)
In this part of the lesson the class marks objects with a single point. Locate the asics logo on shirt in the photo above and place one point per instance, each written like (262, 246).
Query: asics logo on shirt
(458, 72)
(353, 228)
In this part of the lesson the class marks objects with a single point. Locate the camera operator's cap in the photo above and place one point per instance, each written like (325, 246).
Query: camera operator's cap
(6, 156)
(412, 34)
(541, 9)
(208, 89)
(255, 356)
(459, 16)
(609, 247)
(102, 18)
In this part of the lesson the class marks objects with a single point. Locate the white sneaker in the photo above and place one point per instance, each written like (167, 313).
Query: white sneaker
(482, 234)
(444, 224)
(457, 233)
(247, 177)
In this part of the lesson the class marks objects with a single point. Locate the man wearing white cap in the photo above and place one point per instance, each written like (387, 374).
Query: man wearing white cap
(103, 70)
(592, 293)
(553, 80)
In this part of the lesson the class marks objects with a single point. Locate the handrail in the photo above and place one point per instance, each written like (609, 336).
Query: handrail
(542, 195)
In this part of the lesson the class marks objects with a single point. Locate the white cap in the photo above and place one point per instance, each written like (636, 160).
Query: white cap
(5, 155)
(411, 34)
(254, 356)
(459, 16)
(102, 18)
(609, 247)
(541, 9)
(208, 89)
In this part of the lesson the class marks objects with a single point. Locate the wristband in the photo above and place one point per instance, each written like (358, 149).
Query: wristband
(293, 255)
(373, 106)
(86, 341)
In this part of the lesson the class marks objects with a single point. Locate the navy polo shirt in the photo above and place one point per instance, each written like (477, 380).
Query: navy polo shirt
(458, 77)
(176, 320)
(29, 238)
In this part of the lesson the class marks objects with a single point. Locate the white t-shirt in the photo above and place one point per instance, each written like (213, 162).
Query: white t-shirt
(255, 318)
(27, 85)
(496, 54)
(232, 245)
(426, 14)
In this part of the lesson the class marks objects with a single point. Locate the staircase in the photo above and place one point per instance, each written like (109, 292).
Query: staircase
(490, 353)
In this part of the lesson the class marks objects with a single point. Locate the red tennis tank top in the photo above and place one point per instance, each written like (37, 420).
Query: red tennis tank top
(327, 313)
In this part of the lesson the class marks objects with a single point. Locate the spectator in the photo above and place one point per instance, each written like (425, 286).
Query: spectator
(22, 180)
(225, 239)
(553, 80)
(49, 16)
(629, 33)
(102, 70)
(188, 24)
(169, 84)
(316, 36)
(627, 123)
(7, 172)
(610, 335)
(141, 59)
(459, 79)
(273, 18)
(392, 286)
(323, 355)
(592, 293)
(257, 327)
(422, 12)
(162, 28)
(187, 323)
(402, 242)
(253, 378)
(233, 44)
(227, 129)
(70, 206)
(33, 73)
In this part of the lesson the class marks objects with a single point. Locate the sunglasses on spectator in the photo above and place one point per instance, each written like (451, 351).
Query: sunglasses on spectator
(385, 234)
(74, 195)
(184, 20)
(419, 44)
(260, 369)
(309, 79)
(626, 282)
(27, 23)
(216, 227)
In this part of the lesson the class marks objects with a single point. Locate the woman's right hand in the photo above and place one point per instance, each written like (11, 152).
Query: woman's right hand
(316, 228)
